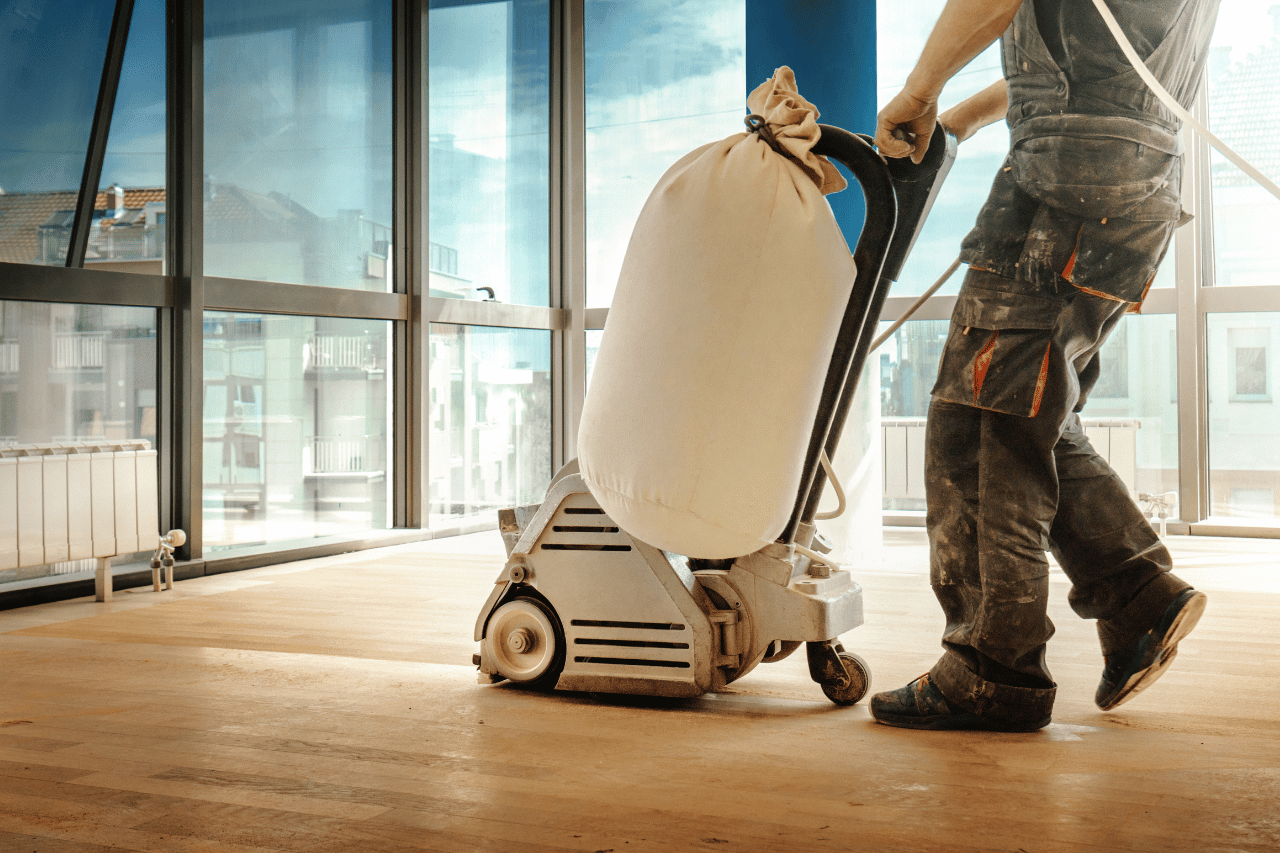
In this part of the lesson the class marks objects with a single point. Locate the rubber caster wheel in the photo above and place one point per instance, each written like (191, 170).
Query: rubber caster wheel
(859, 681)
(525, 643)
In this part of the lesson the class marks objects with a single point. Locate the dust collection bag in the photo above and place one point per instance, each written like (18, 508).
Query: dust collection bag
(707, 380)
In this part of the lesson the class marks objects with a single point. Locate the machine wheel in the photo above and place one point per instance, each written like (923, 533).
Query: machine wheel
(525, 642)
(859, 681)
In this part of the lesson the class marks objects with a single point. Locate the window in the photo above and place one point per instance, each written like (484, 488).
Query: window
(490, 418)
(662, 79)
(128, 231)
(1244, 88)
(298, 142)
(295, 428)
(489, 156)
(51, 59)
(1248, 351)
(1244, 425)
(901, 32)
(73, 373)
(1137, 397)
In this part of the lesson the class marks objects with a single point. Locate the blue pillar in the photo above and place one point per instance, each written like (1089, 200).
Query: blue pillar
(831, 47)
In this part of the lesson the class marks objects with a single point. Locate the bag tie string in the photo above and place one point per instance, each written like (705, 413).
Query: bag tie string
(757, 124)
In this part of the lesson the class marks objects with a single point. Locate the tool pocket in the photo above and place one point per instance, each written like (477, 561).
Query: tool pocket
(998, 354)
(1097, 175)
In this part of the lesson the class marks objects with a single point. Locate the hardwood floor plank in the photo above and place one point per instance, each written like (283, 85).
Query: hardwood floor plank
(15, 843)
(212, 792)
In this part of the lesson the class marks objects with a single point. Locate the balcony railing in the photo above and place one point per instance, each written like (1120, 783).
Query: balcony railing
(341, 351)
(9, 357)
(365, 454)
(79, 350)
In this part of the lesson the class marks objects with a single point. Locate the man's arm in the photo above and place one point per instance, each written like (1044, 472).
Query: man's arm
(964, 29)
(977, 111)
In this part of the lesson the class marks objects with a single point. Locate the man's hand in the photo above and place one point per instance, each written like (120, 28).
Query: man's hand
(905, 126)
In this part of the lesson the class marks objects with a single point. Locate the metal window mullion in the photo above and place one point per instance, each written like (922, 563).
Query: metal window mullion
(411, 343)
(78, 245)
(568, 225)
(182, 341)
(1194, 268)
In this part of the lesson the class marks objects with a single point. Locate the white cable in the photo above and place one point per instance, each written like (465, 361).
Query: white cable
(814, 556)
(915, 306)
(835, 484)
(1177, 108)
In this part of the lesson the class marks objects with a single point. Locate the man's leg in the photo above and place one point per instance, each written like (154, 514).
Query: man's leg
(1119, 570)
(994, 589)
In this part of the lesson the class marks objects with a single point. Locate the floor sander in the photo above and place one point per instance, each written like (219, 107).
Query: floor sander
(581, 605)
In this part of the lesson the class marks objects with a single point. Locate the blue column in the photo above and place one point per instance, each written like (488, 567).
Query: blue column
(831, 47)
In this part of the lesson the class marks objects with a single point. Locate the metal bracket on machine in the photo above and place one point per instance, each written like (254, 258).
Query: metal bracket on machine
(825, 666)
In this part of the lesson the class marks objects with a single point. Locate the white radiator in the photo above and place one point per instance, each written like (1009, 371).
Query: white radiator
(77, 501)
(1115, 440)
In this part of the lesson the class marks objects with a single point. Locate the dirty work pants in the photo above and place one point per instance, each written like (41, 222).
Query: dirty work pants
(1002, 488)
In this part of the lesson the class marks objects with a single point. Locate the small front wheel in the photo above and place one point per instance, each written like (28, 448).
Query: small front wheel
(859, 682)
(525, 642)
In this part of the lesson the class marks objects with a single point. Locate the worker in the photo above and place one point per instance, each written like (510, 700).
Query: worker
(1079, 216)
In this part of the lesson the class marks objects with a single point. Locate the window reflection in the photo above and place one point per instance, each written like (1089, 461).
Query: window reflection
(295, 427)
(298, 141)
(129, 220)
(662, 79)
(73, 373)
(490, 417)
(1244, 421)
(489, 155)
(51, 59)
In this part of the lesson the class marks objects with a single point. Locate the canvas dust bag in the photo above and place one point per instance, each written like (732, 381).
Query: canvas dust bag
(707, 380)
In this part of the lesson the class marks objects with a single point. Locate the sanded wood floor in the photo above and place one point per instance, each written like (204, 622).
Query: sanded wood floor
(330, 706)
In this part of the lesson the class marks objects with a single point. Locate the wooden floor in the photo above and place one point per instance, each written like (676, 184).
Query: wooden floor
(330, 706)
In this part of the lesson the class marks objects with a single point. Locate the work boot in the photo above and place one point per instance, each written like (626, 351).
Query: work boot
(1136, 667)
(921, 705)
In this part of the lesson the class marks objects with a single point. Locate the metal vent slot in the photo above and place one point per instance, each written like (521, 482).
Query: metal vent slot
(641, 626)
(583, 510)
(578, 546)
(632, 644)
(672, 664)
(570, 528)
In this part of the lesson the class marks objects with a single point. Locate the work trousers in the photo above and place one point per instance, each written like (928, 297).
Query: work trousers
(1010, 474)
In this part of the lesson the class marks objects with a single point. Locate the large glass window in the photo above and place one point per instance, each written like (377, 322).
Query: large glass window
(489, 157)
(490, 417)
(51, 59)
(906, 366)
(1131, 414)
(1244, 419)
(71, 373)
(662, 79)
(297, 142)
(1244, 110)
(295, 428)
(128, 230)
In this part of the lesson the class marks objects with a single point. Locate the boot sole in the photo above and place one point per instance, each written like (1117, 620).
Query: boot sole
(1186, 619)
(959, 723)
